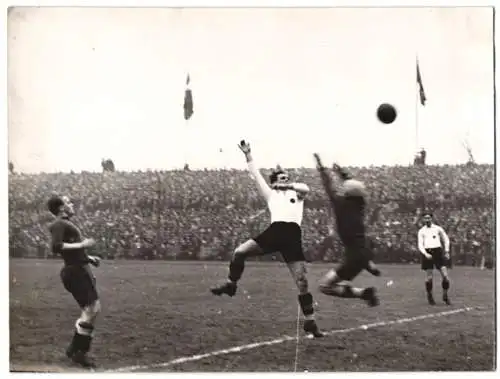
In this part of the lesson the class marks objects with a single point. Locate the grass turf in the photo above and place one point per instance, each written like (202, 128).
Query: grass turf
(155, 312)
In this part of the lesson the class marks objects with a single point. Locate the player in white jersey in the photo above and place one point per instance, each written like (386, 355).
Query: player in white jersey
(434, 245)
(285, 201)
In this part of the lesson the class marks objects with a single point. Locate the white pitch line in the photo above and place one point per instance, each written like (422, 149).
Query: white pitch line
(283, 339)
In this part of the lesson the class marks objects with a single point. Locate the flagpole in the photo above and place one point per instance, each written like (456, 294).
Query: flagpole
(417, 101)
(186, 144)
(187, 130)
(186, 133)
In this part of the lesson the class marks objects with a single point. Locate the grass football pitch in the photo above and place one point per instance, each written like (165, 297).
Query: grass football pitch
(159, 316)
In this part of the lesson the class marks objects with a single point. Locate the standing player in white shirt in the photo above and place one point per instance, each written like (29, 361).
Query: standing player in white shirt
(285, 201)
(434, 245)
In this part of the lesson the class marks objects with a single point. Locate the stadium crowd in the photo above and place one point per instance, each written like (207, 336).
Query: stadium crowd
(205, 214)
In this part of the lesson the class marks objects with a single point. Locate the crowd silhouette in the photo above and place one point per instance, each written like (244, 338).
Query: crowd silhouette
(190, 214)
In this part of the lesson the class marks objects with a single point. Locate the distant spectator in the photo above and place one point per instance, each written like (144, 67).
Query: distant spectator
(420, 158)
(206, 213)
(107, 165)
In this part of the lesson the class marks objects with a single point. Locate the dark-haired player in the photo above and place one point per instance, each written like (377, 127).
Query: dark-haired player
(76, 275)
(431, 240)
(348, 203)
(285, 201)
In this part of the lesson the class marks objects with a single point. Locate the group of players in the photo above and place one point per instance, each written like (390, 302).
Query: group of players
(285, 201)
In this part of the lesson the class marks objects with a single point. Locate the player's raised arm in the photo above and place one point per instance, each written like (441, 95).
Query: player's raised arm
(325, 178)
(262, 185)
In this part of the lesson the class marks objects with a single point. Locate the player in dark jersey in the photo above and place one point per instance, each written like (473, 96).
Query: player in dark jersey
(76, 275)
(348, 204)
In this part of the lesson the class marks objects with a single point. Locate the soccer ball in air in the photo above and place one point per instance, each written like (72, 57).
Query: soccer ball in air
(386, 113)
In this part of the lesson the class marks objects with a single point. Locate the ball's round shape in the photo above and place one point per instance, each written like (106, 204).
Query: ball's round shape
(386, 113)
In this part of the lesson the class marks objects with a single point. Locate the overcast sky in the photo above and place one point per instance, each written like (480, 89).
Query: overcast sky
(91, 83)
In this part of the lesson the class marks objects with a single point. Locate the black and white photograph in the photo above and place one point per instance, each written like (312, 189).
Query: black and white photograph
(251, 189)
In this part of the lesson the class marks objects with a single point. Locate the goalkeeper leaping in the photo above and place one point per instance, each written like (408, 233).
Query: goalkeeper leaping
(348, 203)
(285, 201)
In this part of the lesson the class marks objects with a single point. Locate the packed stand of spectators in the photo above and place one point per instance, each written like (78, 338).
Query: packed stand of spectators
(205, 214)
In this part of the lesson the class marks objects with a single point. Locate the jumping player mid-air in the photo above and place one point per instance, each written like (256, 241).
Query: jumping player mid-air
(348, 203)
(431, 240)
(76, 275)
(285, 201)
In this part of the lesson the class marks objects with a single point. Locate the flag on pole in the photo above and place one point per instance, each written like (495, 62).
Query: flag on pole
(188, 101)
(421, 91)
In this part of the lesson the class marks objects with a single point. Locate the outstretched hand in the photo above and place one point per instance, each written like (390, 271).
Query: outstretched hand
(244, 146)
(336, 168)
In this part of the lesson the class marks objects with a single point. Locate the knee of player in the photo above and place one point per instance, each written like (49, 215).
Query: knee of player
(330, 278)
(97, 307)
(84, 327)
(239, 254)
(90, 312)
(324, 285)
(303, 284)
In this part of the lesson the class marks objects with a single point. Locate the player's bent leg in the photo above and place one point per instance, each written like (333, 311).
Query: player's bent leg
(429, 285)
(237, 266)
(82, 339)
(335, 284)
(372, 268)
(81, 284)
(365, 254)
(299, 273)
(328, 281)
(444, 272)
(240, 255)
(445, 284)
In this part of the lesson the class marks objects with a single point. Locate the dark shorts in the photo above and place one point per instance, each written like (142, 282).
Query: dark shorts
(282, 237)
(81, 283)
(356, 258)
(437, 261)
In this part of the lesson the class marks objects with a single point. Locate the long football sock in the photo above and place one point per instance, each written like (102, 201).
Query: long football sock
(236, 268)
(342, 290)
(446, 285)
(306, 304)
(83, 336)
(428, 287)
